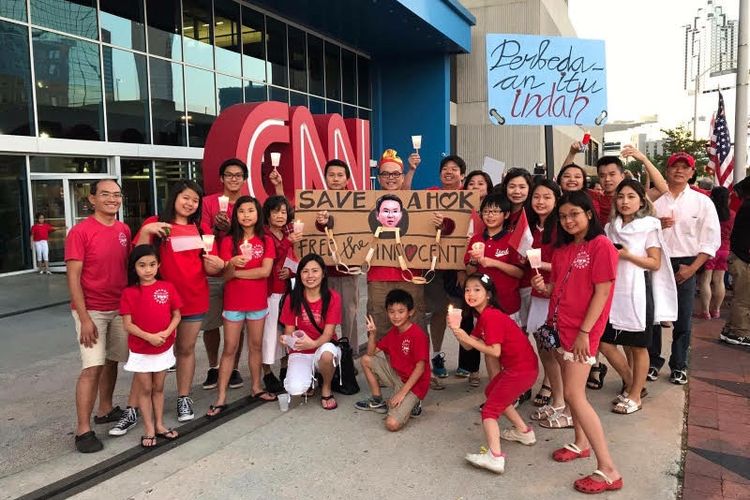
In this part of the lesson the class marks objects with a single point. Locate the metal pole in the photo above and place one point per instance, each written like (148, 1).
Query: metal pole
(696, 89)
(549, 154)
(740, 116)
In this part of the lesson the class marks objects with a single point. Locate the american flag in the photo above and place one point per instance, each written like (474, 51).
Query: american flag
(720, 156)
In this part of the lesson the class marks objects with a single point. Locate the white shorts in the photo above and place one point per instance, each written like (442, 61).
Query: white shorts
(42, 251)
(271, 348)
(300, 372)
(538, 311)
(150, 363)
(522, 315)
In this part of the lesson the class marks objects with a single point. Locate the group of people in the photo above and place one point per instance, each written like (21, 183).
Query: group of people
(615, 265)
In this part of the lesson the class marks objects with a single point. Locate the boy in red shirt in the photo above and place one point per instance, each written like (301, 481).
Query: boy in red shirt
(399, 360)
(40, 234)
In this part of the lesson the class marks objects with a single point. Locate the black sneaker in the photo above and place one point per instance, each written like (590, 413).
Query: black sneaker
(438, 365)
(212, 379)
(417, 410)
(185, 409)
(653, 374)
(372, 404)
(272, 384)
(678, 377)
(235, 380)
(88, 443)
(128, 420)
(733, 339)
(114, 415)
(282, 373)
(172, 369)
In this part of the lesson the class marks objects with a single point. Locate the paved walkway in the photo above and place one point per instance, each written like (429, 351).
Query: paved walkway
(29, 291)
(717, 460)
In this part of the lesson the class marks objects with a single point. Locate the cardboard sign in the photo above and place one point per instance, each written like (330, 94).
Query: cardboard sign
(546, 80)
(358, 214)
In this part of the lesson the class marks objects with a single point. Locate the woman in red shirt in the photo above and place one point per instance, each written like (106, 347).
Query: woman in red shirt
(712, 278)
(40, 235)
(176, 233)
(581, 287)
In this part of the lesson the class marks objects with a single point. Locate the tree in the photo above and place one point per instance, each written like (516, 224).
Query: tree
(681, 139)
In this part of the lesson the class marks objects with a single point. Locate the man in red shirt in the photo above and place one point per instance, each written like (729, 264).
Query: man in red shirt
(96, 254)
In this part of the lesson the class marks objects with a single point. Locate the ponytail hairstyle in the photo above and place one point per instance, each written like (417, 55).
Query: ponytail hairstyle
(298, 292)
(138, 252)
(488, 286)
(720, 197)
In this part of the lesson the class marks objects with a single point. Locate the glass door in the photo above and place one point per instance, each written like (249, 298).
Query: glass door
(48, 198)
(80, 208)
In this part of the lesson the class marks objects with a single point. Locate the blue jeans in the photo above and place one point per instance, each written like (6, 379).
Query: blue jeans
(681, 332)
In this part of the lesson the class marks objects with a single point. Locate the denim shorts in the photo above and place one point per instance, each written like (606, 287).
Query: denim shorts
(244, 315)
(193, 317)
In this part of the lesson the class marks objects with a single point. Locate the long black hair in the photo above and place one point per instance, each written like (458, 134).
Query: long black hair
(568, 167)
(236, 231)
(550, 223)
(139, 252)
(720, 197)
(298, 292)
(169, 213)
(489, 287)
(582, 200)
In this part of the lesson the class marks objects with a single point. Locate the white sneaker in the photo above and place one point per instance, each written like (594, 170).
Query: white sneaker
(487, 461)
(513, 434)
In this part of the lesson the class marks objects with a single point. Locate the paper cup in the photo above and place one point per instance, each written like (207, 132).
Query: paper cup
(477, 250)
(247, 250)
(416, 141)
(290, 340)
(454, 318)
(208, 242)
(284, 400)
(534, 255)
(298, 226)
(223, 203)
(275, 159)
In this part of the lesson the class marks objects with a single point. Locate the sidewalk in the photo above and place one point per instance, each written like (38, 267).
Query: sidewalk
(717, 460)
(31, 291)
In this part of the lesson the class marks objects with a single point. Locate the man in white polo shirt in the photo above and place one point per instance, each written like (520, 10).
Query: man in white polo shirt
(692, 236)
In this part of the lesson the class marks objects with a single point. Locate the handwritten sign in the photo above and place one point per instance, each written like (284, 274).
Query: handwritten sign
(545, 80)
(358, 214)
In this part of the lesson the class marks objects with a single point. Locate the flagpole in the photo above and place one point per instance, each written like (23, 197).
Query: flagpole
(740, 116)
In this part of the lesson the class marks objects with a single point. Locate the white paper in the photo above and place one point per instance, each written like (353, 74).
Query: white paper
(291, 264)
(185, 243)
(534, 255)
(494, 168)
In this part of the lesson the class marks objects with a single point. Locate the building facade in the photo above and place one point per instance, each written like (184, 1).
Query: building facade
(128, 89)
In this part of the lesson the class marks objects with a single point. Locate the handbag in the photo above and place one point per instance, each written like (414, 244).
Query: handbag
(547, 336)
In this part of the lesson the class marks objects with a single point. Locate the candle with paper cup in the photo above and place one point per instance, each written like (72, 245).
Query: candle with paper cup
(298, 226)
(454, 317)
(208, 242)
(477, 250)
(416, 141)
(284, 400)
(223, 203)
(246, 249)
(534, 255)
(275, 159)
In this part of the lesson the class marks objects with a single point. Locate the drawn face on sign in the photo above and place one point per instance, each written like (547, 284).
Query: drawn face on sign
(390, 213)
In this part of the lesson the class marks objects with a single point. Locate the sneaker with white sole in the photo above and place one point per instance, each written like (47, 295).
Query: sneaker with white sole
(417, 410)
(372, 404)
(513, 434)
(185, 409)
(212, 379)
(733, 339)
(487, 461)
(128, 420)
(653, 374)
(678, 377)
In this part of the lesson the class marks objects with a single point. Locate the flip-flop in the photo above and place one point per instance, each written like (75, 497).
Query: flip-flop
(170, 435)
(220, 409)
(590, 485)
(324, 399)
(260, 396)
(148, 438)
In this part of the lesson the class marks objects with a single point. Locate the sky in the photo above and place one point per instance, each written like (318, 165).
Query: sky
(644, 56)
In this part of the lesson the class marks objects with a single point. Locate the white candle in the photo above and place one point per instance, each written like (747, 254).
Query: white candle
(275, 159)
(223, 203)
(416, 141)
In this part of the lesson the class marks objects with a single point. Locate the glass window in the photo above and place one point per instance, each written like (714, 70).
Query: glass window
(15, 246)
(137, 201)
(196, 28)
(349, 76)
(277, 94)
(228, 91)
(253, 45)
(195, 169)
(201, 104)
(350, 112)
(297, 99)
(122, 23)
(297, 60)
(333, 71)
(13, 9)
(255, 92)
(126, 89)
(69, 87)
(227, 37)
(333, 107)
(277, 62)
(16, 108)
(68, 165)
(77, 17)
(363, 82)
(167, 173)
(317, 106)
(164, 22)
(167, 103)
(364, 114)
(315, 63)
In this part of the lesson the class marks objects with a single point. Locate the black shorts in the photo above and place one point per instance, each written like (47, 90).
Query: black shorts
(634, 339)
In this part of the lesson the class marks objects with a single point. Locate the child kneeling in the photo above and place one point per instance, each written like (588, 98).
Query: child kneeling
(399, 360)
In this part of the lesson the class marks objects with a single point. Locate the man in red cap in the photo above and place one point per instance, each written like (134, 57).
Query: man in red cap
(692, 236)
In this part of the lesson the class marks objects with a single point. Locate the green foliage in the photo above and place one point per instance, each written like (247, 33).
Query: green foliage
(681, 139)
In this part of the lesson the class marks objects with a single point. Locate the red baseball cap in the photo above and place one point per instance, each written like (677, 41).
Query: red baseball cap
(683, 157)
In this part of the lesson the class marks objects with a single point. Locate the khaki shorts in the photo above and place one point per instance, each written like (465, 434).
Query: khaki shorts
(112, 343)
(213, 319)
(387, 376)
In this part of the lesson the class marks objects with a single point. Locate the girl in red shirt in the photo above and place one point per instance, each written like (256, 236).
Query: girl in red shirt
(249, 253)
(502, 342)
(581, 287)
(40, 234)
(150, 310)
(176, 233)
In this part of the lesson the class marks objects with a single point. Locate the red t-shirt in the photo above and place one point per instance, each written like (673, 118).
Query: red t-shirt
(302, 322)
(602, 205)
(404, 350)
(104, 251)
(498, 248)
(283, 249)
(211, 209)
(243, 294)
(40, 232)
(494, 327)
(726, 230)
(184, 269)
(548, 250)
(590, 262)
(150, 308)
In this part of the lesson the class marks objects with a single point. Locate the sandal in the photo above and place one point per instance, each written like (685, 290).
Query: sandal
(559, 420)
(590, 485)
(264, 396)
(545, 412)
(542, 400)
(626, 406)
(148, 439)
(436, 384)
(570, 452)
(325, 402)
(170, 434)
(595, 382)
(216, 409)
(624, 395)
(474, 379)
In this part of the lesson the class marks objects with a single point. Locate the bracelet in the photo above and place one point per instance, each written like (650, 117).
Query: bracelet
(584, 331)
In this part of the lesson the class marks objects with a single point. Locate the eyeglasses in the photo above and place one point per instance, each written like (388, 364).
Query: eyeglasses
(571, 215)
(234, 176)
(390, 175)
(107, 195)
(491, 212)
